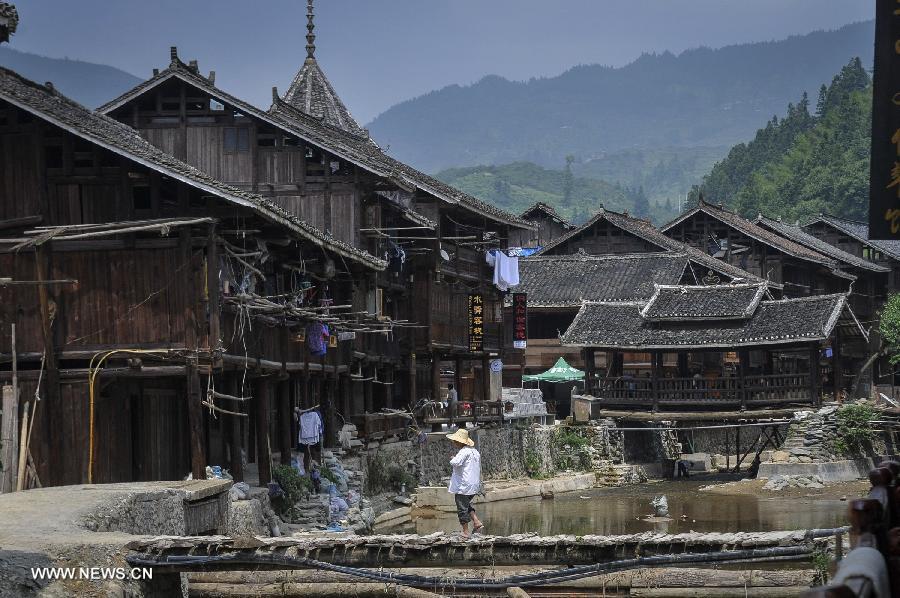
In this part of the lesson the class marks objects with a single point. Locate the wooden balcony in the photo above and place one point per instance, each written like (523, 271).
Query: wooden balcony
(725, 392)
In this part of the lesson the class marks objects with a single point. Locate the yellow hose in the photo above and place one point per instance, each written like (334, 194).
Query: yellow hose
(93, 370)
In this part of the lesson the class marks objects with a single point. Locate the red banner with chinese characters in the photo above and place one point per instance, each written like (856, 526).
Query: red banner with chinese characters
(476, 322)
(884, 190)
(520, 320)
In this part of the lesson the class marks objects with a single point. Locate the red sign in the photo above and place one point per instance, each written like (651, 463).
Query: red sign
(520, 320)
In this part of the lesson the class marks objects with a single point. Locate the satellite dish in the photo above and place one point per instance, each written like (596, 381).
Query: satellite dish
(445, 255)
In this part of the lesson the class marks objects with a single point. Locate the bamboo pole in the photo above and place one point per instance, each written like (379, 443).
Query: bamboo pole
(23, 451)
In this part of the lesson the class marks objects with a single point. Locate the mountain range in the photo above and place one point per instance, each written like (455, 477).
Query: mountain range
(85, 82)
(709, 98)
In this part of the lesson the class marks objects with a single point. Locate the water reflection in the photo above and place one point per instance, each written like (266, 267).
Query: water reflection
(624, 511)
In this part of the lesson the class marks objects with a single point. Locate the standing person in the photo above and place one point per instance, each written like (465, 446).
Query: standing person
(465, 482)
(452, 400)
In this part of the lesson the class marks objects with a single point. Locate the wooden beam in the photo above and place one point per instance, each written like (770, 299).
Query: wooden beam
(212, 290)
(815, 388)
(235, 438)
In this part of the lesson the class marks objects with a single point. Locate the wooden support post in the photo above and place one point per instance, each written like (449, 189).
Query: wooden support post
(815, 373)
(235, 438)
(368, 391)
(212, 290)
(390, 375)
(42, 270)
(346, 397)
(836, 365)
(654, 378)
(486, 378)
(195, 420)
(590, 370)
(436, 383)
(457, 385)
(743, 365)
(263, 451)
(413, 395)
(9, 445)
(285, 415)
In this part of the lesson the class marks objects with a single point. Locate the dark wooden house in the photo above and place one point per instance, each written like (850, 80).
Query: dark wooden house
(737, 241)
(612, 233)
(550, 226)
(152, 300)
(730, 347)
(308, 155)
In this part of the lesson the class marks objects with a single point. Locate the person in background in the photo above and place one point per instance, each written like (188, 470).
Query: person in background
(465, 482)
(452, 400)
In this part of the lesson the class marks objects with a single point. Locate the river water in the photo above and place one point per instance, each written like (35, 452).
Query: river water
(608, 511)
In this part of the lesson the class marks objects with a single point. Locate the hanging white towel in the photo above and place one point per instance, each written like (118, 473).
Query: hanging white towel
(506, 271)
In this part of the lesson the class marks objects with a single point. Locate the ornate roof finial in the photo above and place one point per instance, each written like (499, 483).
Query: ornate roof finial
(310, 28)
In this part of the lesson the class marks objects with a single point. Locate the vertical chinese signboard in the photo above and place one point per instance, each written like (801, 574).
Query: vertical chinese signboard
(520, 320)
(884, 193)
(476, 322)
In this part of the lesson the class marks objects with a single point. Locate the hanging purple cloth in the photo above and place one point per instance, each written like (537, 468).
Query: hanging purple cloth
(317, 339)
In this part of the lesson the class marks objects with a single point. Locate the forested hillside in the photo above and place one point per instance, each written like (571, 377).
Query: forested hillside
(517, 186)
(816, 159)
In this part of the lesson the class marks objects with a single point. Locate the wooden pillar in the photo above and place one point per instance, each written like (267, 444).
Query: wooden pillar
(743, 365)
(285, 415)
(486, 378)
(836, 363)
(590, 370)
(195, 420)
(330, 399)
(413, 395)
(368, 390)
(436, 382)
(655, 360)
(42, 273)
(346, 398)
(815, 383)
(389, 375)
(683, 369)
(235, 438)
(212, 290)
(263, 451)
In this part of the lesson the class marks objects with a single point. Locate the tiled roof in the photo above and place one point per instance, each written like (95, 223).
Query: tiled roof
(567, 280)
(799, 235)
(547, 210)
(356, 148)
(860, 232)
(718, 302)
(311, 92)
(739, 223)
(123, 140)
(646, 231)
(621, 326)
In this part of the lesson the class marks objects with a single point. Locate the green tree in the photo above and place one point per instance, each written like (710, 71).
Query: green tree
(568, 181)
(889, 336)
(641, 204)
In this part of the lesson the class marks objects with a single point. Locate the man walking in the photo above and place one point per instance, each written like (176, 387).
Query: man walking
(465, 482)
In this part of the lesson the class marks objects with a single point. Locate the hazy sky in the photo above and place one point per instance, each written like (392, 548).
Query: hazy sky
(379, 52)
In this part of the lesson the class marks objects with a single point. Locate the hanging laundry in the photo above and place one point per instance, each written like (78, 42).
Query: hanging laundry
(506, 269)
(317, 338)
(311, 428)
(395, 257)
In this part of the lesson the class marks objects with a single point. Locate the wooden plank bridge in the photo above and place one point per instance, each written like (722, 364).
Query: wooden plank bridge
(167, 554)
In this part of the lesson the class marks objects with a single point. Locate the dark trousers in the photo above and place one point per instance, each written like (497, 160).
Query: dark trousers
(464, 507)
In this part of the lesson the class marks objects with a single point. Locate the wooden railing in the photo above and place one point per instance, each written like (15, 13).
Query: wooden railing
(755, 390)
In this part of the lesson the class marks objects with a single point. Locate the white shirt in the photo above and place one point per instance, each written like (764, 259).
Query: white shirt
(466, 477)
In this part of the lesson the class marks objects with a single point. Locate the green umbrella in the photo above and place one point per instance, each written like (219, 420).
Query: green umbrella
(560, 372)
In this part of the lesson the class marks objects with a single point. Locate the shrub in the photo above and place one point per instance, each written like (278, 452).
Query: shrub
(295, 487)
(854, 428)
(383, 475)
